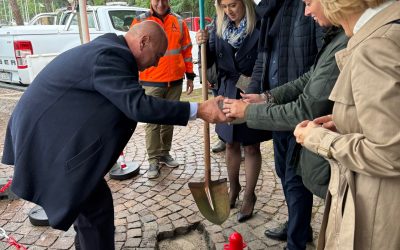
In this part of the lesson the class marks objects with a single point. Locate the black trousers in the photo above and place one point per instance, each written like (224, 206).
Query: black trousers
(298, 198)
(95, 224)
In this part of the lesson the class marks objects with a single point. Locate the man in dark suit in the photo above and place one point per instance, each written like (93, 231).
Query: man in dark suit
(70, 125)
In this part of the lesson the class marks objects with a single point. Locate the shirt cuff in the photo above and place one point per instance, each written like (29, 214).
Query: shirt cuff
(190, 75)
(193, 111)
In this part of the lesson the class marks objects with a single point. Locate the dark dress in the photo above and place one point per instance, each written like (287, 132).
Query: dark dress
(231, 64)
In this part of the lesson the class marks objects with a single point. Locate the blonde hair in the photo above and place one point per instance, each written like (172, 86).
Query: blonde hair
(336, 10)
(250, 7)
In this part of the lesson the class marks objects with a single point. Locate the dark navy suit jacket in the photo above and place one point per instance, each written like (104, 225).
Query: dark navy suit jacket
(73, 121)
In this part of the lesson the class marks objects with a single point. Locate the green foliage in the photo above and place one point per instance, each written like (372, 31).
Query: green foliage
(180, 6)
(141, 3)
(30, 8)
(97, 2)
(209, 8)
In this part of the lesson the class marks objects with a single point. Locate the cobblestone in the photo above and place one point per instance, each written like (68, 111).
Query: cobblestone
(147, 211)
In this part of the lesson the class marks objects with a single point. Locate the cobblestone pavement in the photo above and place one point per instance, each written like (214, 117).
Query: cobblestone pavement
(147, 211)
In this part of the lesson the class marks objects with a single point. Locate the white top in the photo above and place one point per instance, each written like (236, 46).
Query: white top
(370, 13)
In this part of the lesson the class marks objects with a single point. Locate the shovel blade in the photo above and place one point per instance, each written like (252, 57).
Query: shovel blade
(219, 210)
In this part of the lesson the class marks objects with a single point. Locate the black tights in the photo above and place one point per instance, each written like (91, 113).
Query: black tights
(252, 164)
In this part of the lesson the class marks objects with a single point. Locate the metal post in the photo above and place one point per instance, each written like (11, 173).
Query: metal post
(84, 21)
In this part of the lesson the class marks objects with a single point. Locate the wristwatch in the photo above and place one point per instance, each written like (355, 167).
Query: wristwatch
(267, 97)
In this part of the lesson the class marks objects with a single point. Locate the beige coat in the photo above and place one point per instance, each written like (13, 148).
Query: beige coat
(363, 203)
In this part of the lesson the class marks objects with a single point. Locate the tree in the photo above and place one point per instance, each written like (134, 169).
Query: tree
(142, 3)
(180, 6)
(16, 12)
(47, 5)
(209, 7)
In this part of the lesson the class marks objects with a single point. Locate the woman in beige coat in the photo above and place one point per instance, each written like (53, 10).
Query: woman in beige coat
(362, 137)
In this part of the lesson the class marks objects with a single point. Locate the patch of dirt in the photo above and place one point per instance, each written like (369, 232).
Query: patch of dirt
(194, 240)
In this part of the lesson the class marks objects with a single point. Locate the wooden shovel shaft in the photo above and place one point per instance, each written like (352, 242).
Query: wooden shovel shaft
(207, 163)
(211, 197)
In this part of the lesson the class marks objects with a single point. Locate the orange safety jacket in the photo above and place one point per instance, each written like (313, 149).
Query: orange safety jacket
(177, 59)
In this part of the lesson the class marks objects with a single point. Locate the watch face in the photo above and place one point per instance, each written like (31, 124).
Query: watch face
(264, 97)
(270, 97)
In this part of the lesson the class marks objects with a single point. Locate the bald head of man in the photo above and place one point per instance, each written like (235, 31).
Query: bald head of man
(148, 42)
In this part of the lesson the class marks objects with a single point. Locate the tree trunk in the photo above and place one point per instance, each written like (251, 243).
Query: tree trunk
(47, 4)
(16, 12)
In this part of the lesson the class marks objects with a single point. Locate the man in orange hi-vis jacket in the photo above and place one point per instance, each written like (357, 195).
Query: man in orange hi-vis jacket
(165, 80)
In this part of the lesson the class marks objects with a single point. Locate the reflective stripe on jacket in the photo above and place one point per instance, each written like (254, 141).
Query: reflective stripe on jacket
(178, 57)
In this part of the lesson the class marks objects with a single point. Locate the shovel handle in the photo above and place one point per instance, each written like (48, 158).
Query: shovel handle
(203, 56)
(207, 163)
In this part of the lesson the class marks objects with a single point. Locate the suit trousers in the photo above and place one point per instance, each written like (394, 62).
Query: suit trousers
(159, 137)
(298, 198)
(95, 223)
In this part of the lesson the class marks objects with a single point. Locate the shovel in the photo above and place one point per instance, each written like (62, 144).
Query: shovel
(211, 197)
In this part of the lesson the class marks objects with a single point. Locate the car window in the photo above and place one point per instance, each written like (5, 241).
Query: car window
(189, 23)
(122, 19)
(91, 23)
(45, 20)
(63, 17)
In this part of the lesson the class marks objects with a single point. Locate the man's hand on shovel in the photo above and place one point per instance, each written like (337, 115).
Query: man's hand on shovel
(210, 111)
